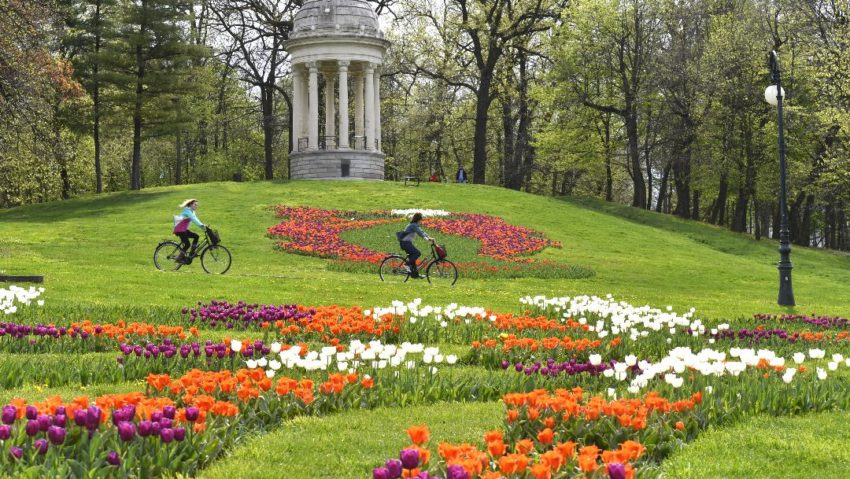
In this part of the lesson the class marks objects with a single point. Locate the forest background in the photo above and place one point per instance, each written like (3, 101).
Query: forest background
(654, 103)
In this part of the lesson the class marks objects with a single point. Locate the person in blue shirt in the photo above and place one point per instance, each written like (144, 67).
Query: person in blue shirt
(406, 242)
(181, 227)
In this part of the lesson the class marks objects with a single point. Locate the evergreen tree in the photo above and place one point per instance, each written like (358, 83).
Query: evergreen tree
(150, 63)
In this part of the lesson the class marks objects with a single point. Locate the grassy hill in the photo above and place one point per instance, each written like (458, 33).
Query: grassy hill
(97, 251)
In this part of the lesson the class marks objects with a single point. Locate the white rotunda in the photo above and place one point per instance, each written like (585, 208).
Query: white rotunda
(341, 42)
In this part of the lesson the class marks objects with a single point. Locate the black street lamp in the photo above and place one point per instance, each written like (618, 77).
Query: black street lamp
(773, 95)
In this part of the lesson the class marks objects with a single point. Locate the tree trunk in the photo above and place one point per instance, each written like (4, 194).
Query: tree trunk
(662, 190)
(718, 210)
(508, 156)
(98, 173)
(482, 107)
(267, 100)
(136, 166)
(682, 171)
(178, 167)
(639, 186)
(695, 216)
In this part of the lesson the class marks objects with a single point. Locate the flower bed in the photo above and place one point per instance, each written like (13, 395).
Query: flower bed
(503, 248)
(592, 387)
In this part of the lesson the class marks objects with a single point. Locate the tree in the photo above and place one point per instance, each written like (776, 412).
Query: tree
(89, 24)
(469, 39)
(255, 32)
(613, 43)
(149, 63)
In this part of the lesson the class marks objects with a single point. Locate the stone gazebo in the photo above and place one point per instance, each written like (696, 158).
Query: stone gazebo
(339, 40)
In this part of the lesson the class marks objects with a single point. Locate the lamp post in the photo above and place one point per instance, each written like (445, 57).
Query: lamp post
(773, 95)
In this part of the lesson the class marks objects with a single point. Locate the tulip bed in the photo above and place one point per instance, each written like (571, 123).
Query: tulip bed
(590, 386)
(480, 245)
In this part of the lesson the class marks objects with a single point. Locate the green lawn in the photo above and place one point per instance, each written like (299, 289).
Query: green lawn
(96, 256)
(98, 251)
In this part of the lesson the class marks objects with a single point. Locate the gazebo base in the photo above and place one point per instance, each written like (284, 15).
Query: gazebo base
(337, 164)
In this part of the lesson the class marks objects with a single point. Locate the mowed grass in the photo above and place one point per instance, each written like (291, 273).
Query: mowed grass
(350, 444)
(97, 250)
(812, 446)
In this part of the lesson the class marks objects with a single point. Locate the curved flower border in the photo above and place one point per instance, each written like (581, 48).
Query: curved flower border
(317, 232)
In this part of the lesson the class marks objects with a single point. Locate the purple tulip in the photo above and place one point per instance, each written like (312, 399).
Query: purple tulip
(166, 434)
(60, 420)
(145, 428)
(113, 458)
(44, 422)
(93, 418)
(56, 435)
(165, 422)
(179, 434)
(456, 471)
(192, 413)
(5, 432)
(380, 473)
(10, 414)
(32, 427)
(16, 452)
(81, 417)
(126, 431)
(31, 412)
(40, 445)
(616, 471)
(169, 411)
(394, 468)
(409, 458)
(156, 416)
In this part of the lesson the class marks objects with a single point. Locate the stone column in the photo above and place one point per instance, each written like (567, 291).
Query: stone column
(297, 105)
(330, 105)
(378, 108)
(313, 126)
(358, 107)
(370, 106)
(343, 104)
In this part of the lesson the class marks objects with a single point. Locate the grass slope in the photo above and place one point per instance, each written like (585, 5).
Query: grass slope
(350, 444)
(809, 446)
(98, 250)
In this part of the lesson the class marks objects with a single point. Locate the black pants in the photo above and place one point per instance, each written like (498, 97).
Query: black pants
(184, 240)
(413, 253)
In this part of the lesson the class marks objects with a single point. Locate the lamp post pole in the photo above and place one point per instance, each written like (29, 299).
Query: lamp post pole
(786, 292)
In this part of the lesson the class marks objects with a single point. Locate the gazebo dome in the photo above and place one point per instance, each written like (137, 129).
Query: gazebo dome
(330, 17)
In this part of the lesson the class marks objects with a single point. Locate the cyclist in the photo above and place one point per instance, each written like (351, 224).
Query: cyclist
(181, 229)
(405, 240)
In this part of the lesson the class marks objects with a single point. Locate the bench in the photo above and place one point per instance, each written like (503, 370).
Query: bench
(21, 279)
(413, 180)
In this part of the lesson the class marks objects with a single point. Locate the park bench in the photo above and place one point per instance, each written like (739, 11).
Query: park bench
(20, 279)
(411, 181)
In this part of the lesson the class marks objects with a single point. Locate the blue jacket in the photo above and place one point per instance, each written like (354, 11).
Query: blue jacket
(412, 230)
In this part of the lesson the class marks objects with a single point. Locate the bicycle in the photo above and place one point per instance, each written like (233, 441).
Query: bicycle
(438, 270)
(215, 258)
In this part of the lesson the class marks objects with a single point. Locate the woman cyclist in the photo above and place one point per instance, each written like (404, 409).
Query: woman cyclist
(181, 229)
(405, 240)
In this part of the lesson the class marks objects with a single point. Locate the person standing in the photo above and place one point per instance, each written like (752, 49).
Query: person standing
(461, 175)
(181, 228)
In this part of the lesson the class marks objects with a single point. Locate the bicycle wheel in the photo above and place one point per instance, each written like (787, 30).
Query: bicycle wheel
(441, 271)
(165, 256)
(394, 270)
(215, 259)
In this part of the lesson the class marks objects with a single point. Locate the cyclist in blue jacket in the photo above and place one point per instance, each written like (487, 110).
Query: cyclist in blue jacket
(181, 228)
(406, 242)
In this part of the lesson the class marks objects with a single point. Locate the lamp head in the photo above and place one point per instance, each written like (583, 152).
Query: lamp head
(770, 94)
